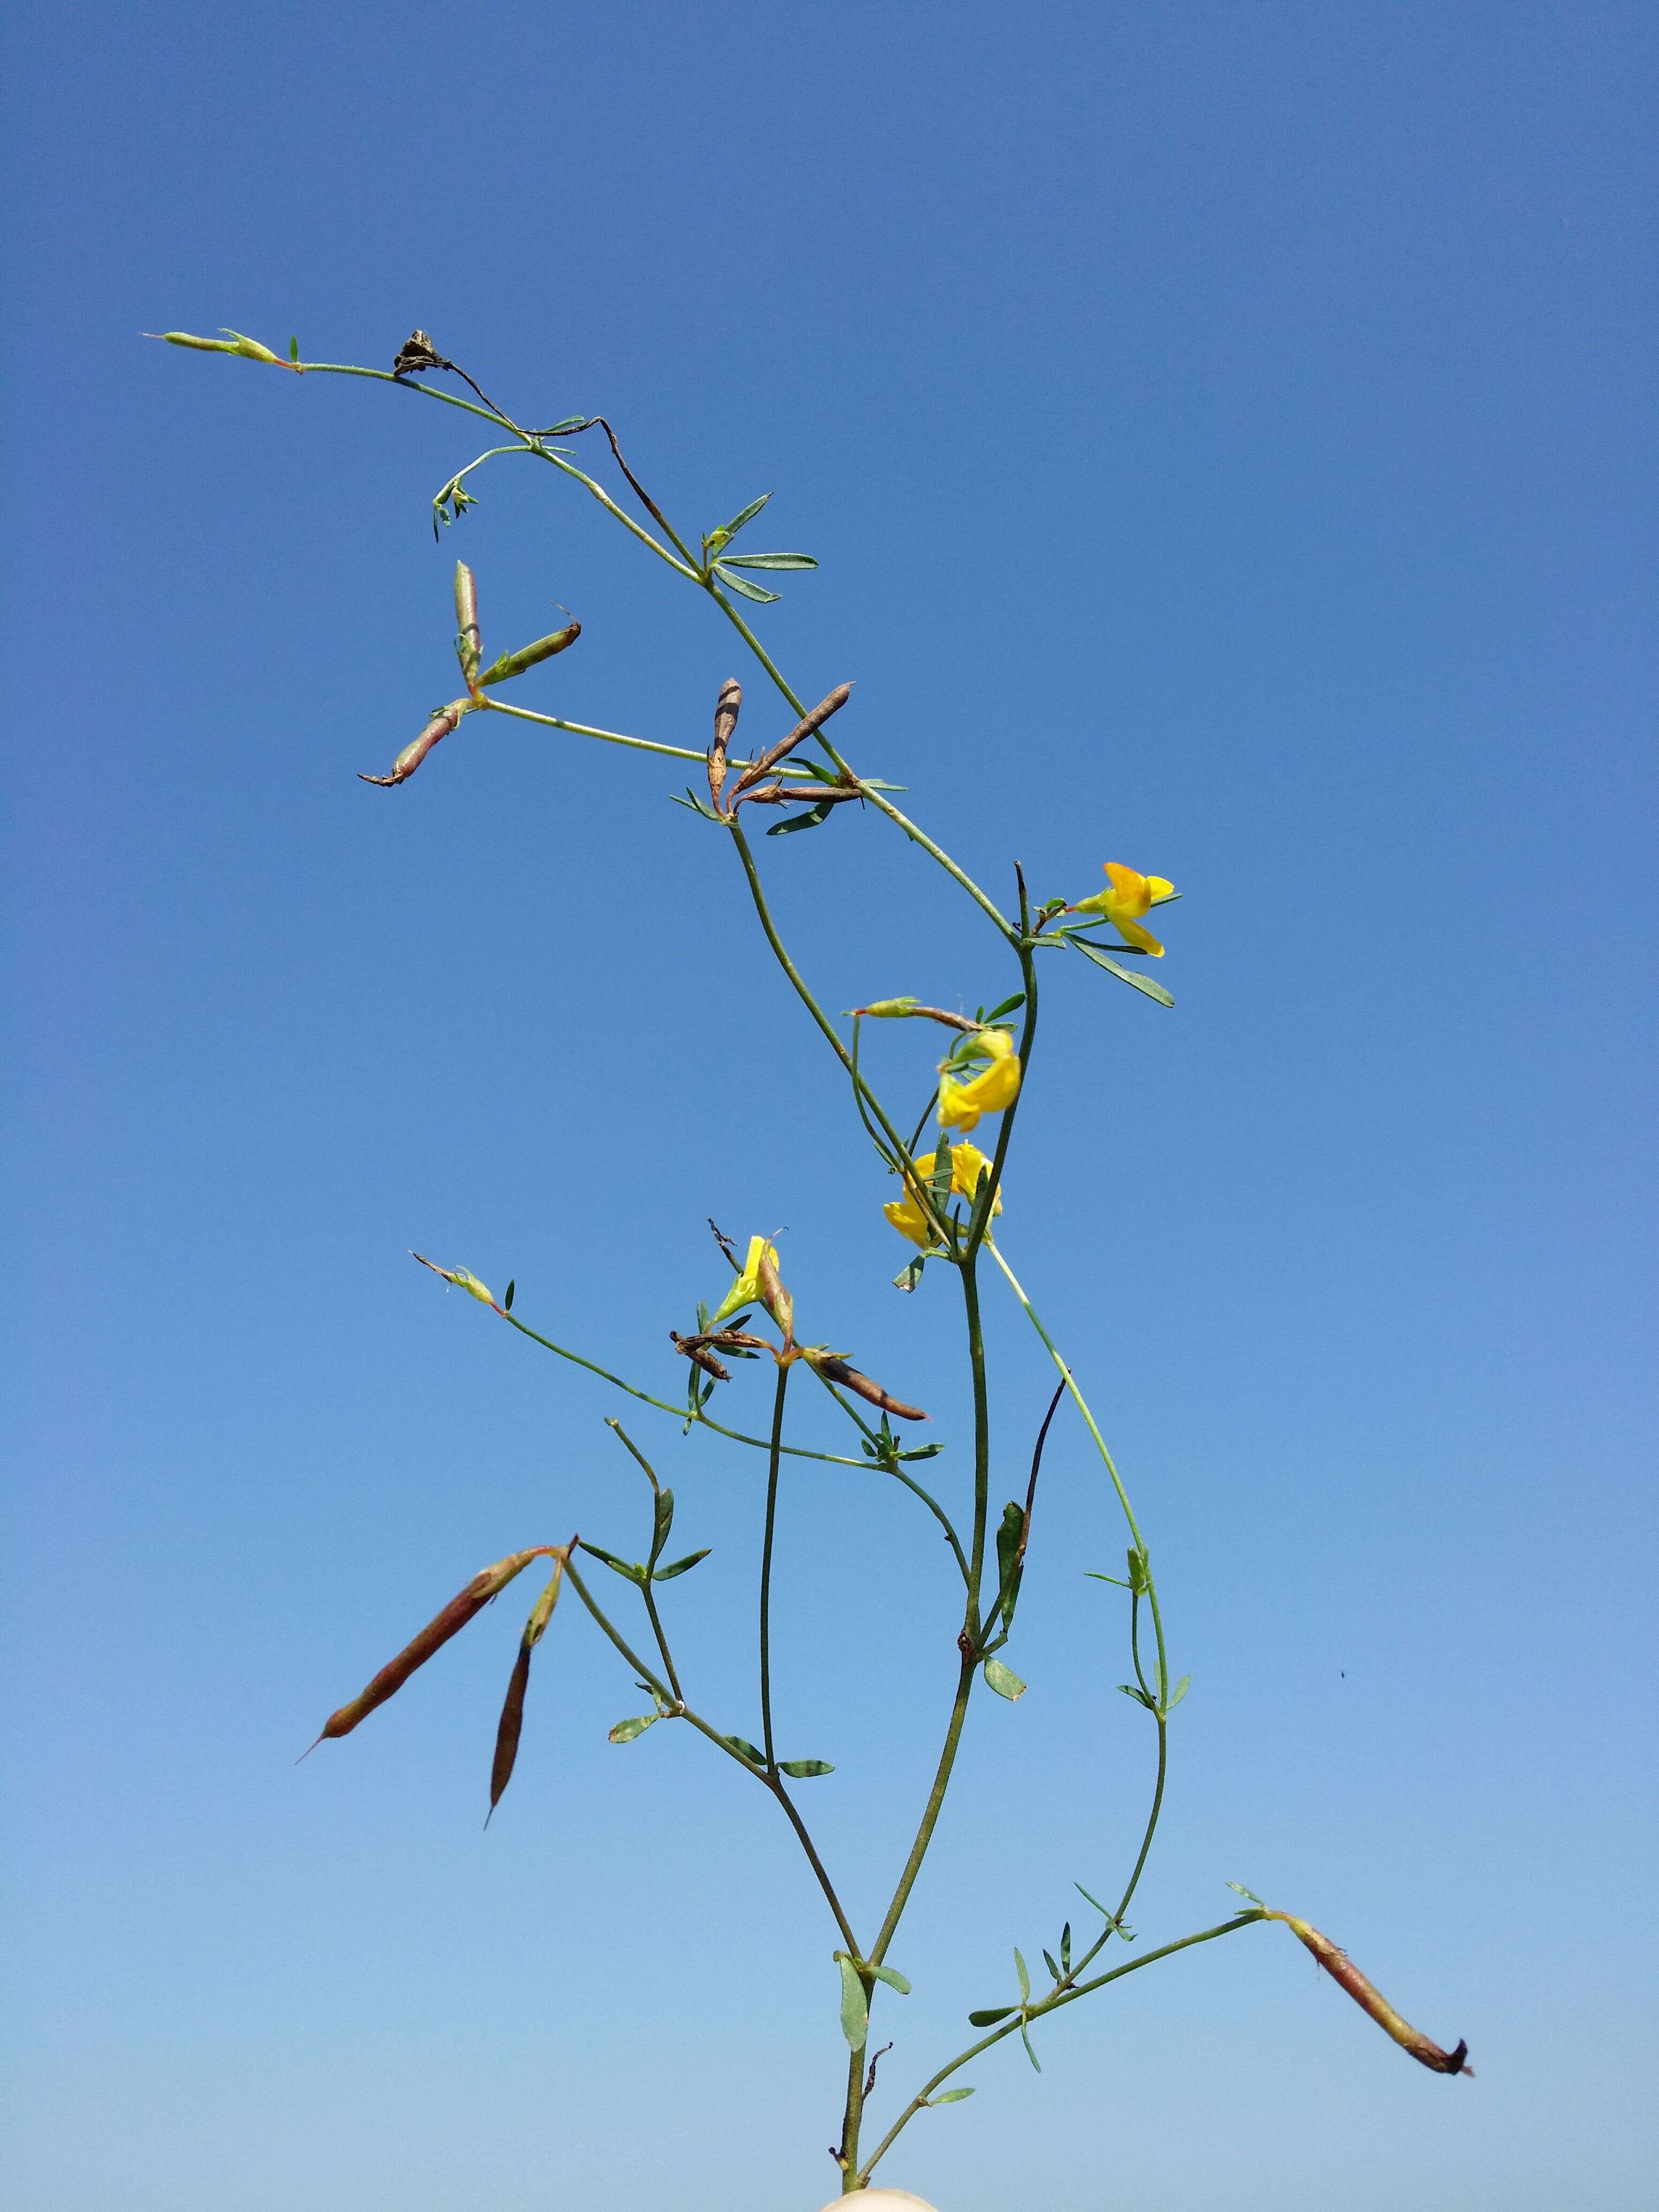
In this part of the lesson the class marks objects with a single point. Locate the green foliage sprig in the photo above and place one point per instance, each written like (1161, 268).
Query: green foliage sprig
(948, 1198)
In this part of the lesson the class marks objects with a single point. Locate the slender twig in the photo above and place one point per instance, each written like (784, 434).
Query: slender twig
(679, 1711)
(1025, 2014)
(766, 1572)
(681, 1412)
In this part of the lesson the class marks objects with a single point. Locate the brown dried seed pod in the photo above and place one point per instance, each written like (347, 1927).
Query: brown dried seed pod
(487, 1584)
(726, 709)
(696, 1349)
(803, 729)
(837, 1370)
(1342, 1969)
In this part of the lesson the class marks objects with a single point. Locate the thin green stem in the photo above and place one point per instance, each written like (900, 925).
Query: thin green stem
(584, 730)
(899, 1475)
(969, 1642)
(662, 1641)
(679, 1711)
(681, 1413)
(987, 906)
(1082, 1406)
(569, 468)
(980, 1221)
(766, 1572)
(1026, 2013)
(758, 894)
(407, 383)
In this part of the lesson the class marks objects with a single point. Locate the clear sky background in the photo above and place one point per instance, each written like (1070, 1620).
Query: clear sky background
(1227, 435)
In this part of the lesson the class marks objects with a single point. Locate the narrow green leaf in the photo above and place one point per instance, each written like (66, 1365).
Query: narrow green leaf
(1006, 1007)
(1251, 1893)
(1003, 1679)
(1054, 1971)
(293, 349)
(508, 1301)
(804, 1769)
(854, 2005)
(1179, 1692)
(680, 1566)
(1116, 1581)
(768, 561)
(625, 1731)
(894, 1979)
(745, 1750)
(907, 1277)
(1139, 1696)
(728, 531)
(810, 820)
(1125, 974)
(695, 805)
(1025, 1979)
(634, 1574)
(663, 1522)
(743, 588)
(950, 2096)
(990, 2018)
(923, 1451)
(1025, 2037)
(1066, 1946)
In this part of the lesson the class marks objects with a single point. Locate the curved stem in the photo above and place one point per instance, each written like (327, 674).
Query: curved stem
(679, 1711)
(757, 893)
(1028, 2013)
(681, 1413)
(766, 1572)
(1082, 1405)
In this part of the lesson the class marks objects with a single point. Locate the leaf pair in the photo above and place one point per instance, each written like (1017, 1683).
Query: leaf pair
(722, 564)
(855, 2003)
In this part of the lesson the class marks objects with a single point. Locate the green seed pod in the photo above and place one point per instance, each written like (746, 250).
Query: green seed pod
(515, 664)
(201, 345)
(251, 350)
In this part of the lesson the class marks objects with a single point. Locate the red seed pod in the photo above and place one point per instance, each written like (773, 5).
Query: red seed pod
(445, 720)
(774, 1297)
(1342, 1969)
(512, 1721)
(487, 1584)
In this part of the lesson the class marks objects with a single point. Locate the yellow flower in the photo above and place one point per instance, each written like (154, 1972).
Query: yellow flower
(746, 1290)
(961, 1105)
(968, 1165)
(1130, 896)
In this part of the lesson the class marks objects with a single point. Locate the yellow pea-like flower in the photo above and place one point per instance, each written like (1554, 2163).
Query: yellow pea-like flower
(746, 1290)
(968, 1165)
(1129, 896)
(961, 1105)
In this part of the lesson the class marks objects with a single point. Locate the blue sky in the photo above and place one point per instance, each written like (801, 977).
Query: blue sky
(1226, 434)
